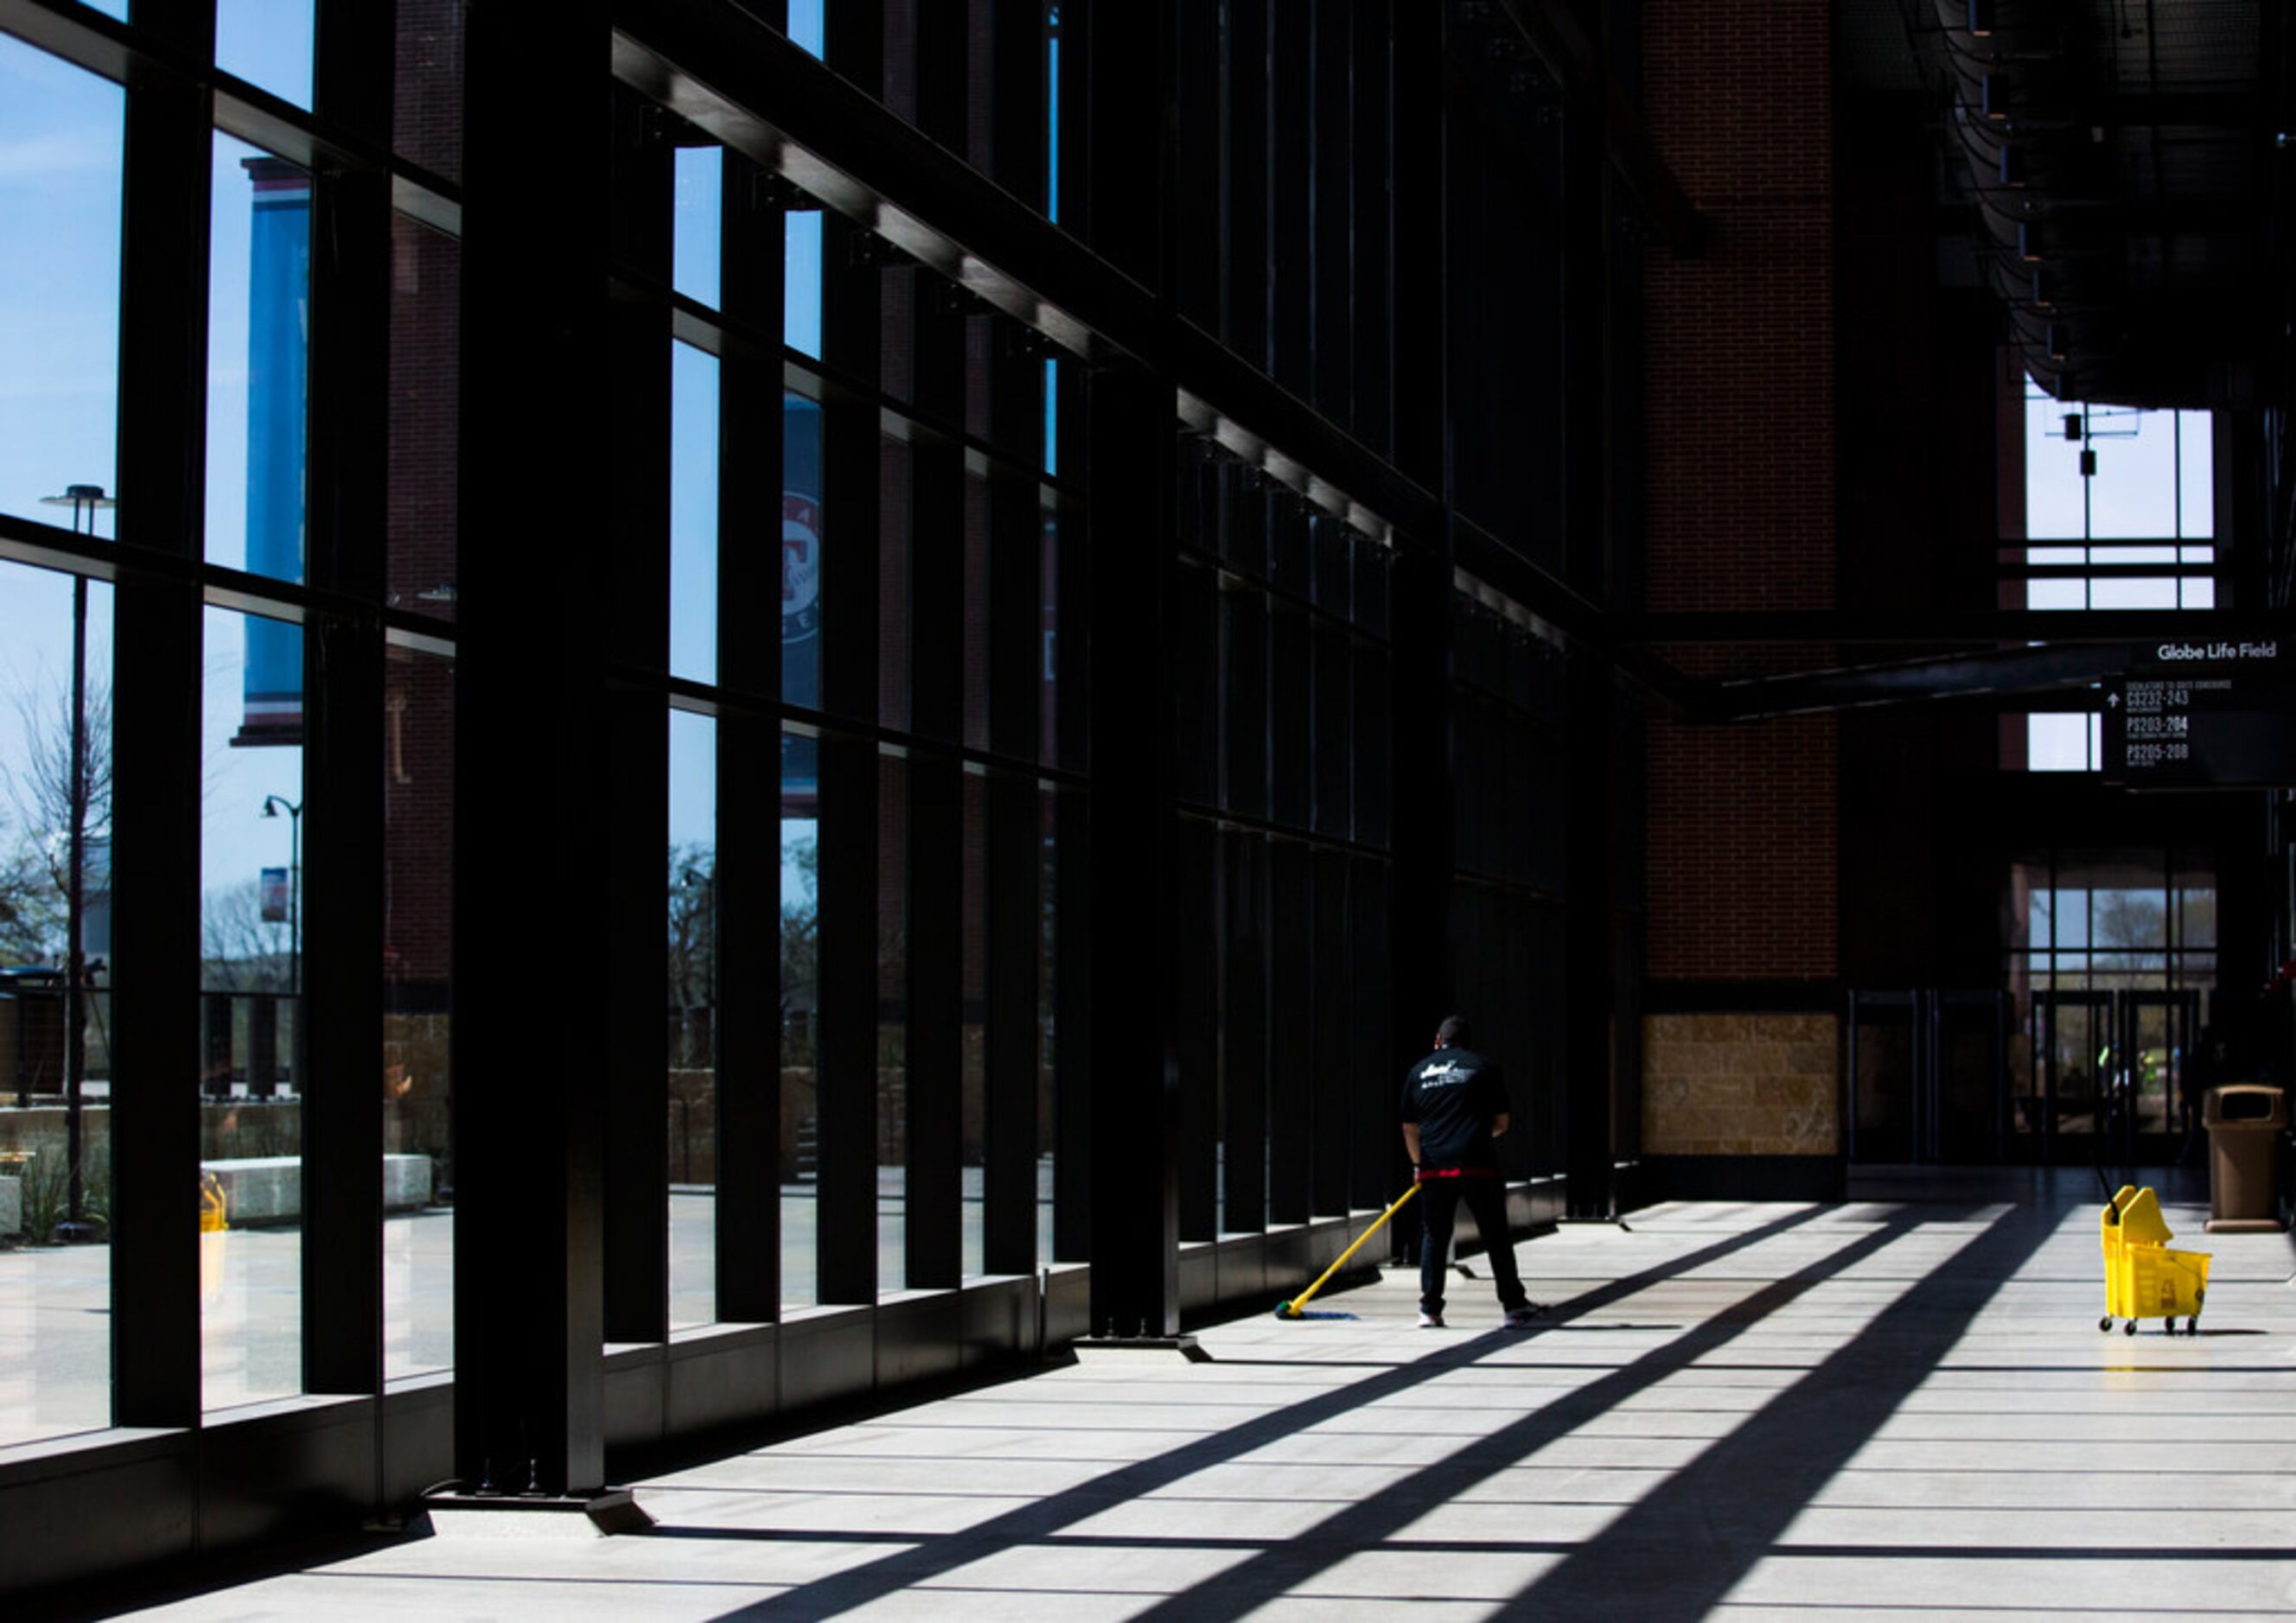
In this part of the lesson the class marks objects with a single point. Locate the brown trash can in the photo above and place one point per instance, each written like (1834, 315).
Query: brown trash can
(2244, 1120)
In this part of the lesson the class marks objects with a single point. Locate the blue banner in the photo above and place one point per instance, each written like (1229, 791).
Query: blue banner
(278, 354)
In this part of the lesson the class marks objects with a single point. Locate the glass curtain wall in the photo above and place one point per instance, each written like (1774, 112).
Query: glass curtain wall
(1513, 859)
(1281, 630)
(60, 205)
(917, 528)
(275, 346)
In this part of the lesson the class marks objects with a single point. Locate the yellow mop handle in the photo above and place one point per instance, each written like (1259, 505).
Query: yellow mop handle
(1292, 1308)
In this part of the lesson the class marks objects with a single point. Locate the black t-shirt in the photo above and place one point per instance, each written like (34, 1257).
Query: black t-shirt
(1453, 1094)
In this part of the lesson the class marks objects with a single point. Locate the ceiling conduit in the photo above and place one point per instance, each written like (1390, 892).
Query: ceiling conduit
(2114, 278)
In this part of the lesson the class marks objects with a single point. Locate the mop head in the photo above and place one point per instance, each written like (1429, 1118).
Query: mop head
(1290, 1315)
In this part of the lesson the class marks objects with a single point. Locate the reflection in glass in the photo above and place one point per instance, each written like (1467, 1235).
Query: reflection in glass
(799, 1001)
(1048, 969)
(418, 800)
(250, 980)
(693, 999)
(892, 1021)
(59, 284)
(692, 513)
(427, 103)
(259, 348)
(801, 543)
(973, 1128)
(419, 517)
(56, 1066)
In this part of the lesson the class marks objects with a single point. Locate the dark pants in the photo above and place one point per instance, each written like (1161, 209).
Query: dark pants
(1438, 1209)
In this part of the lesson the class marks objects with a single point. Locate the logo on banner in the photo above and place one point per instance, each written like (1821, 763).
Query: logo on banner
(274, 891)
(800, 566)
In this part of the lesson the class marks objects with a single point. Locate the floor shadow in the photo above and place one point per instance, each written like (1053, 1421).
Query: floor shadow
(1041, 1521)
(1382, 1516)
(1683, 1547)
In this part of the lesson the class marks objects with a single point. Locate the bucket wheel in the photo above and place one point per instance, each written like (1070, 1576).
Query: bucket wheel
(2105, 1324)
(2129, 1328)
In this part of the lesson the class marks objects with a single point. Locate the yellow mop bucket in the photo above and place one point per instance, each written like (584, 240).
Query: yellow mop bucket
(2144, 1279)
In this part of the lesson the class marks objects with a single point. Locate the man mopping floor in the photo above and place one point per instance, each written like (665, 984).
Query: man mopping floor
(1454, 1104)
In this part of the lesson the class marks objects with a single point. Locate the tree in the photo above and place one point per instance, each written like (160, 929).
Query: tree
(45, 804)
(240, 949)
(692, 951)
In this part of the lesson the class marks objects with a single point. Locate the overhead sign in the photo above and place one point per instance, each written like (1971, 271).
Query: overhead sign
(2202, 714)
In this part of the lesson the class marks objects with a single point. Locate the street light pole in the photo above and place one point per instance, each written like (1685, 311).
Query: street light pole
(84, 500)
(273, 805)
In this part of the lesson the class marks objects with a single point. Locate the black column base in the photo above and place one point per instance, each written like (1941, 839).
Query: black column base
(454, 1515)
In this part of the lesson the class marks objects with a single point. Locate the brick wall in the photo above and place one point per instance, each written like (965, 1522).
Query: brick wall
(1741, 495)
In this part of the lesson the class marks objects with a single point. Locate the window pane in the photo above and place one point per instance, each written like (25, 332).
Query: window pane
(2119, 592)
(892, 1021)
(418, 824)
(693, 1018)
(258, 301)
(801, 541)
(692, 513)
(2135, 490)
(801, 289)
(55, 1347)
(251, 978)
(267, 43)
(2197, 492)
(800, 1118)
(700, 191)
(2058, 743)
(807, 25)
(973, 1071)
(1048, 969)
(2053, 497)
(61, 134)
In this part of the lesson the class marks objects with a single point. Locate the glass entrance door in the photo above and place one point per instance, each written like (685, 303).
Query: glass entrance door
(2157, 1033)
(1928, 1076)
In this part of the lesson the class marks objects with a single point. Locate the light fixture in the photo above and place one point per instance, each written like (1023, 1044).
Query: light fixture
(2028, 242)
(1993, 97)
(1980, 18)
(2041, 299)
(2013, 166)
(2073, 427)
(2060, 339)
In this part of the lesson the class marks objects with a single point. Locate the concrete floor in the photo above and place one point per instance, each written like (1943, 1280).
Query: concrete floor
(1893, 1409)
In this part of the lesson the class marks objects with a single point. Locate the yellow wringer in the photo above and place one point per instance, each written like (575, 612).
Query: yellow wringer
(2144, 1279)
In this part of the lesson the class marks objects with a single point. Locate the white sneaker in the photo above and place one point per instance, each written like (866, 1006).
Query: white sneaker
(1431, 1321)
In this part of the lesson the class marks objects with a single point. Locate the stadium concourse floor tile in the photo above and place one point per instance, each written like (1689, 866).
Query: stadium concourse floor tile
(1895, 1406)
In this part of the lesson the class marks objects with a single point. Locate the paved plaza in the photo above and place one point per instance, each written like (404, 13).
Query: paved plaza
(1895, 1409)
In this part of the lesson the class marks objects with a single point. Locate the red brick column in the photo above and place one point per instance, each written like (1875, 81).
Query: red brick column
(1741, 498)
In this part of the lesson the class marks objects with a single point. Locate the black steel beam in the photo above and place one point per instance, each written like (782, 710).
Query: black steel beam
(156, 696)
(634, 731)
(1135, 1155)
(2008, 671)
(528, 1094)
(1014, 864)
(748, 915)
(1933, 628)
(933, 1245)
